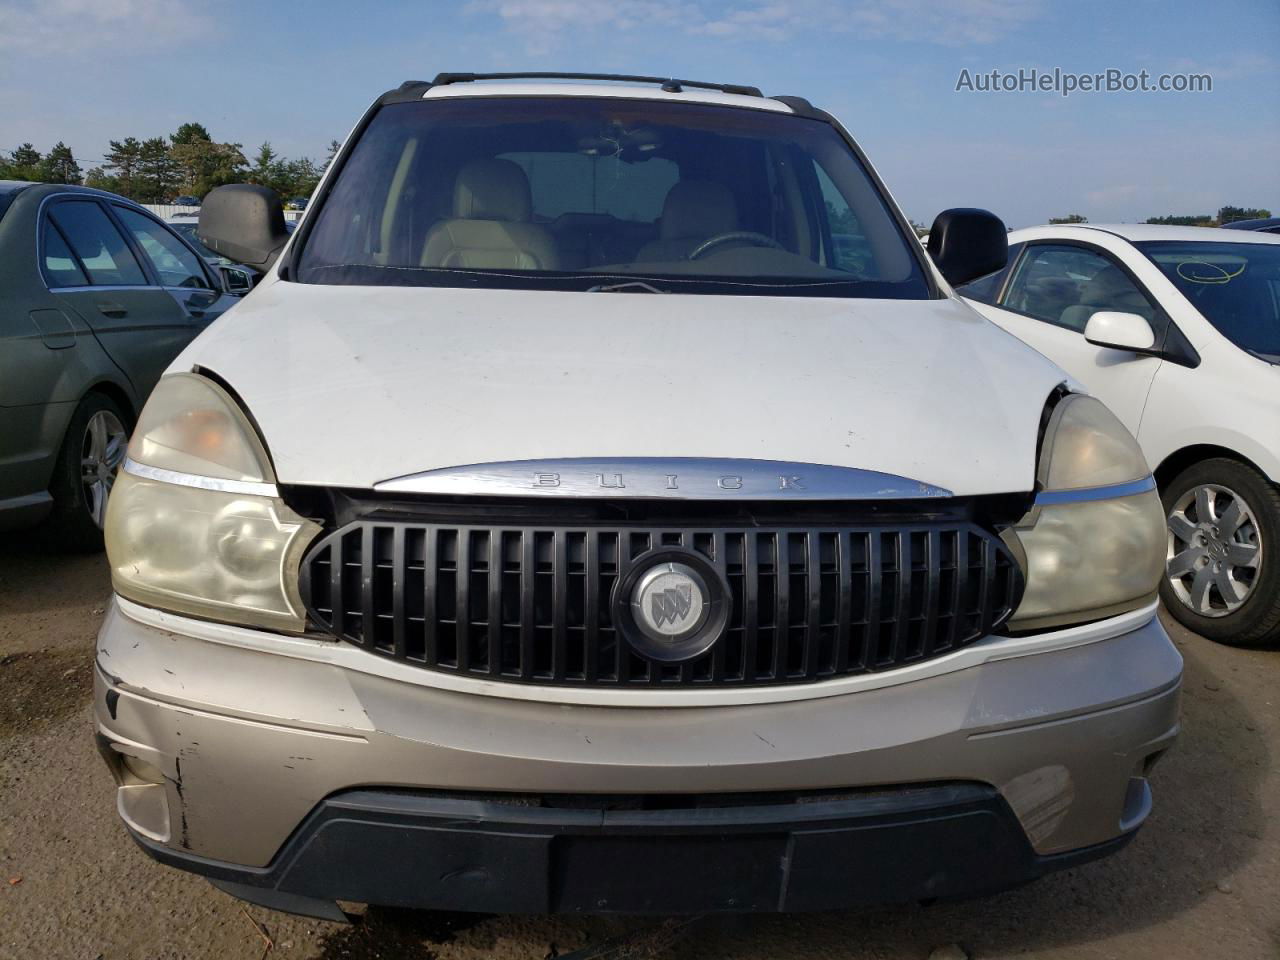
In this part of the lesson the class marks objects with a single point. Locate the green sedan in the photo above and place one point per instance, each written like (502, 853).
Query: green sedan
(97, 297)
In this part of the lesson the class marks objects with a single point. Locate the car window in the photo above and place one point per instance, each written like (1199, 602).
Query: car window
(190, 232)
(984, 289)
(574, 193)
(1236, 286)
(1066, 285)
(98, 244)
(173, 262)
(60, 267)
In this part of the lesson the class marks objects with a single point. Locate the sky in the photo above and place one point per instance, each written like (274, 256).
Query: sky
(300, 74)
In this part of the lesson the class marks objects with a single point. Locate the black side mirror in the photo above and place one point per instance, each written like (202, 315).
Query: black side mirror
(244, 223)
(236, 281)
(966, 243)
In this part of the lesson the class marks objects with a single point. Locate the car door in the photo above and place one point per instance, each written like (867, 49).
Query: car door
(1051, 291)
(140, 326)
(179, 269)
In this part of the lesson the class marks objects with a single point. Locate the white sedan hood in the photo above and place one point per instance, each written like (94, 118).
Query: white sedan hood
(352, 386)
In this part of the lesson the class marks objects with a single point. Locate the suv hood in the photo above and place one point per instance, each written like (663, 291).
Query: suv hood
(352, 386)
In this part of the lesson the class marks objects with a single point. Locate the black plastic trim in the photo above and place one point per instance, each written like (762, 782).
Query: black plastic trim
(803, 108)
(669, 84)
(777, 854)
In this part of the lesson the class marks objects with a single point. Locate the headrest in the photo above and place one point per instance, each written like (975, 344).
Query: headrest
(1106, 285)
(698, 208)
(492, 190)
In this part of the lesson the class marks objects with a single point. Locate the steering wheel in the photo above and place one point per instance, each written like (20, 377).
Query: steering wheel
(734, 236)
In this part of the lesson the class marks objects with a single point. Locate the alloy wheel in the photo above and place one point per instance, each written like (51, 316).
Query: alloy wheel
(1215, 550)
(101, 453)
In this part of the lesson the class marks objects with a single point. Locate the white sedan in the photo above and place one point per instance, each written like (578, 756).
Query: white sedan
(1177, 330)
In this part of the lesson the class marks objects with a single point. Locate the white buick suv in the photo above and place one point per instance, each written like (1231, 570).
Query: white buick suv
(603, 503)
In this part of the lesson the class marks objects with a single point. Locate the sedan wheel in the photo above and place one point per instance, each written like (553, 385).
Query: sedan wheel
(93, 448)
(1220, 581)
(102, 452)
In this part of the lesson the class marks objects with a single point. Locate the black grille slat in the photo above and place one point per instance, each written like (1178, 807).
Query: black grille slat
(750, 601)
(399, 589)
(719, 560)
(462, 600)
(591, 604)
(958, 590)
(902, 600)
(337, 621)
(495, 603)
(532, 604)
(559, 615)
(875, 582)
(811, 656)
(933, 581)
(527, 623)
(988, 574)
(781, 604)
(844, 605)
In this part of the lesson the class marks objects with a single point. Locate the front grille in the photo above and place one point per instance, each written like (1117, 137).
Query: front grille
(533, 604)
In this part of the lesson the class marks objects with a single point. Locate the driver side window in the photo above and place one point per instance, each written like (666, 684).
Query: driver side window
(174, 263)
(850, 250)
(1066, 285)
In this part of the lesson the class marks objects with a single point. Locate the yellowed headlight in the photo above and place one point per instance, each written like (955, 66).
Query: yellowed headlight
(194, 523)
(1093, 544)
(190, 425)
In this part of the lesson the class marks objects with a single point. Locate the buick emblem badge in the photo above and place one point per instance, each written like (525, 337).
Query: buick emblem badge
(672, 605)
(667, 602)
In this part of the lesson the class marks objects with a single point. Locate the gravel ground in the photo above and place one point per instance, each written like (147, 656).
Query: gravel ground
(1200, 881)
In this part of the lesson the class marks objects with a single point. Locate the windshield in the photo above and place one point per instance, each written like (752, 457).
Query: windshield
(1235, 285)
(588, 193)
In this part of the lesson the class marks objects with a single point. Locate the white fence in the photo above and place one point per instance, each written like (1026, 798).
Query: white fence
(166, 210)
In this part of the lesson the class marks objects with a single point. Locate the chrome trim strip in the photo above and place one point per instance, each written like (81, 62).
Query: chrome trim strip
(104, 288)
(347, 656)
(677, 478)
(1050, 498)
(248, 487)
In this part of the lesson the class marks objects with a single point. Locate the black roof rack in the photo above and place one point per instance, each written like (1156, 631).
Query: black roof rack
(669, 84)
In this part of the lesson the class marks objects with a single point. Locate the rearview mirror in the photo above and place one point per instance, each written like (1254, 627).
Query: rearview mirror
(1120, 331)
(967, 243)
(244, 223)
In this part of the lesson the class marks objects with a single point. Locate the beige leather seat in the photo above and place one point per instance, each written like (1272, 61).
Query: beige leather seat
(490, 228)
(694, 212)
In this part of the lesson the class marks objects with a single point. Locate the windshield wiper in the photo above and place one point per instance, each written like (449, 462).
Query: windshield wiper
(631, 286)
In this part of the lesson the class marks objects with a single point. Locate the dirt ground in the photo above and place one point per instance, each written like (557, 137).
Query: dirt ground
(1202, 880)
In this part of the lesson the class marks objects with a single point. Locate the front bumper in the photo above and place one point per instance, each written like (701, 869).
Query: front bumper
(287, 777)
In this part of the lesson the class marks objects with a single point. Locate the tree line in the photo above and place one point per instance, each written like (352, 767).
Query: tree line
(1225, 215)
(157, 169)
